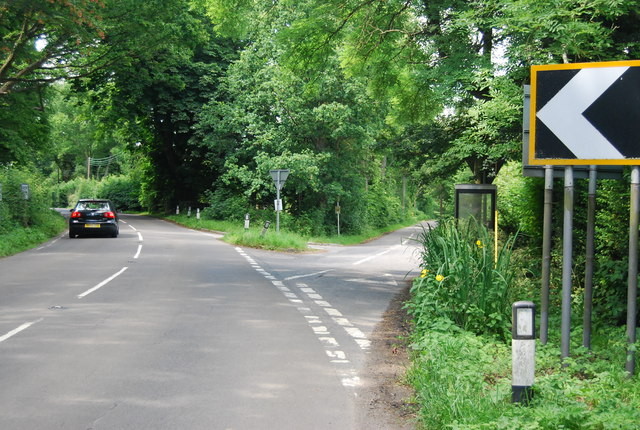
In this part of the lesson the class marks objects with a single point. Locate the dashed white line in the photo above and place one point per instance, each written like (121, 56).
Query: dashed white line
(140, 237)
(138, 253)
(348, 376)
(333, 312)
(19, 329)
(102, 284)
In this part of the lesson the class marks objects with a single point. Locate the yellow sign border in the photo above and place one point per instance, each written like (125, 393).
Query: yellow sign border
(533, 110)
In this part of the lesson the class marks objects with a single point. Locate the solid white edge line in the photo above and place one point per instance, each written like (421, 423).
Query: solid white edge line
(102, 284)
(19, 329)
(138, 253)
(140, 236)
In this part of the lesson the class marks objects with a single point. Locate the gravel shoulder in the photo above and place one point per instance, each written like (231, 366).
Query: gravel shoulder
(384, 400)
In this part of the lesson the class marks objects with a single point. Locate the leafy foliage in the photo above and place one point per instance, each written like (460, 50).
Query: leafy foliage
(461, 282)
(25, 222)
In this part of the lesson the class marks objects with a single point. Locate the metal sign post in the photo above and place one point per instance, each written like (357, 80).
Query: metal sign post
(567, 262)
(546, 254)
(632, 292)
(590, 257)
(279, 177)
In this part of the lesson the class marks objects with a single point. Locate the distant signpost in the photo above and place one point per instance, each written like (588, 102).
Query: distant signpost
(279, 178)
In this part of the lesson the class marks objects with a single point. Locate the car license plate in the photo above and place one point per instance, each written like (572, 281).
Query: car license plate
(92, 226)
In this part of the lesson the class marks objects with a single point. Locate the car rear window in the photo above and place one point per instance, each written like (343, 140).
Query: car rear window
(100, 206)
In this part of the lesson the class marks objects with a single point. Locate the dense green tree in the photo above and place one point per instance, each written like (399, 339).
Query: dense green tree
(269, 117)
(154, 97)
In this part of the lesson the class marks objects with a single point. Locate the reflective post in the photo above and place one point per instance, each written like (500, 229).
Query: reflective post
(523, 352)
(632, 293)
(265, 227)
(590, 249)
(567, 260)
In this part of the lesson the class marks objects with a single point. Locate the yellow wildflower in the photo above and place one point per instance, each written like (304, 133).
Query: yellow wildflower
(439, 278)
(479, 243)
(424, 273)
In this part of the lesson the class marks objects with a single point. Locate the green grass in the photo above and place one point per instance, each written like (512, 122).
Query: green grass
(19, 238)
(463, 381)
(461, 372)
(285, 240)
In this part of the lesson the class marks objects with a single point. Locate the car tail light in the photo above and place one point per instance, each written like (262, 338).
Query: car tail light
(109, 215)
(76, 214)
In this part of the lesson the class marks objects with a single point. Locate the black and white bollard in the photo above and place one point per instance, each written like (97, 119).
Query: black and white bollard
(523, 352)
(178, 210)
(266, 226)
(189, 212)
(197, 213)
(246, 221)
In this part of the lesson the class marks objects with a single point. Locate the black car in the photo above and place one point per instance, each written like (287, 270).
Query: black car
(93, 216)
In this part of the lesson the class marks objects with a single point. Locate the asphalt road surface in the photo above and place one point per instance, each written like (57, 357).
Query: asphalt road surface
(170, 328)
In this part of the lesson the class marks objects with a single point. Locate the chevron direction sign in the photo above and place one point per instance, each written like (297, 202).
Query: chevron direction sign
(585, 114)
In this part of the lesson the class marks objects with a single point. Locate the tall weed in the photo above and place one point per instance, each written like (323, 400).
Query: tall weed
(461, 281)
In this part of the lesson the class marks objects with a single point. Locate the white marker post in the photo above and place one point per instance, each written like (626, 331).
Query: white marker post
(523, 352)
(178, 210)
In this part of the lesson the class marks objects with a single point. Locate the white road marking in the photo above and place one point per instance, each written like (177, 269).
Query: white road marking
(364, 260)
(306, 276)
(19, 329)
(364, 343)
(102, 284)
(333, 312)
(348, 375)
(138, 253)
(131, 227)
(342, 321)
(336, 354)
(329, 341)
(140, 236)
(372, 281)
(355, 332)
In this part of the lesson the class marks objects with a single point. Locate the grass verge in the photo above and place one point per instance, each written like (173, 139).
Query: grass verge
(235, 234)
(20, 238)
(463, 381)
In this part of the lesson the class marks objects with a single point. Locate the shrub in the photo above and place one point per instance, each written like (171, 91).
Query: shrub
(25, 222)
(122, 190)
